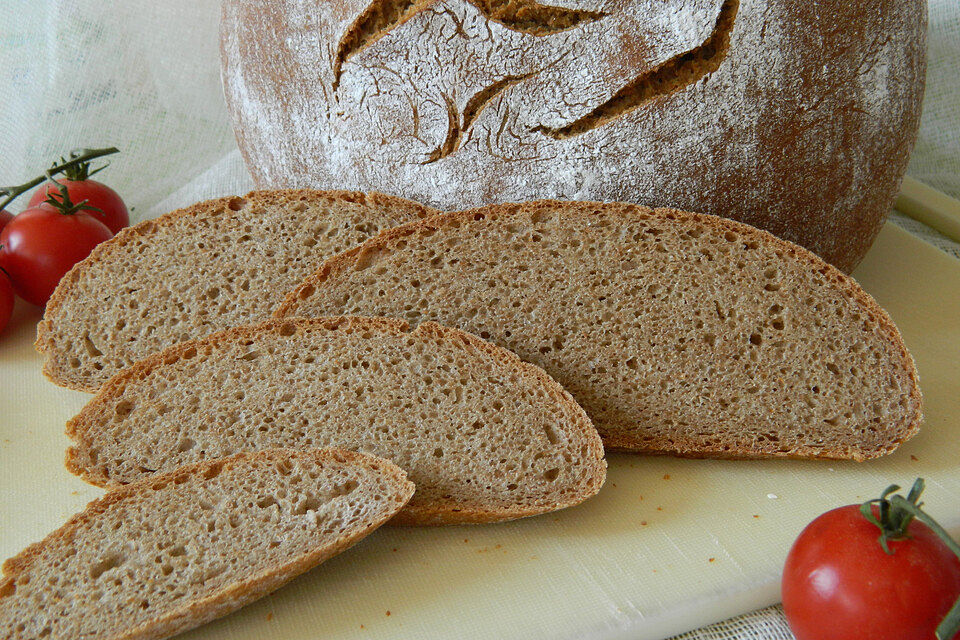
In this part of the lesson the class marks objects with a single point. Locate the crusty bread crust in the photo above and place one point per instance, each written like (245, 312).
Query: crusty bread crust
(194, 613)
(393, 240)
(182, 221)
(795, 117)
(93, 416)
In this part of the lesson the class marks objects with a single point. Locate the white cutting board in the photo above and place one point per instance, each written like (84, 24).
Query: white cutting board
(668, 545)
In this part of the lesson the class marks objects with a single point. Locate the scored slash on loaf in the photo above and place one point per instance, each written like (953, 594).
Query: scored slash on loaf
(217, 264)
(169, 553)
(678, 333)
(795, 117)
(484, 436)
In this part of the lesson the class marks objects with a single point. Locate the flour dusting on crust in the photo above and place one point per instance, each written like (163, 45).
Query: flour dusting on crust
(804, 127)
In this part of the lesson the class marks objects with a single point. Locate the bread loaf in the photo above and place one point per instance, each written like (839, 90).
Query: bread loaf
(483, 435)
(179, 549)
(796, 117)
(211, 266)
(678, 333)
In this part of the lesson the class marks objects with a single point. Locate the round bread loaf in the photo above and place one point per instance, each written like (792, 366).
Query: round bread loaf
(796, 117)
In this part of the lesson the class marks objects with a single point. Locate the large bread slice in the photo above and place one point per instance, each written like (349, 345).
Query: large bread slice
(483, 435)
(189, 273)
(678, 333)
(180, 549)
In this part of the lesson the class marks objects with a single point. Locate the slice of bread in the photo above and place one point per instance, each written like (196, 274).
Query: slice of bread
(678, 333)
(484, 436)
(172, 552)
(214, 265)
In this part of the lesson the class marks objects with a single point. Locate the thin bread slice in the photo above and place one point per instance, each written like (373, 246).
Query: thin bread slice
(174, 551)
(678, 333)
(484, 436)
(217, 264)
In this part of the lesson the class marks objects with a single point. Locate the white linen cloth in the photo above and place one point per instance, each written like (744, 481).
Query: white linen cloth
(144, 76)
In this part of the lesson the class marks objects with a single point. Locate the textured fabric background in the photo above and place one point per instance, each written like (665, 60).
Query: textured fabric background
(144, 76)
(936, 158)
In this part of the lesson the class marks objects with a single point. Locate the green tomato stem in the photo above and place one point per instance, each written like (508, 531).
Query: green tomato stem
(895, 514)
(951, 624)
(77, 157)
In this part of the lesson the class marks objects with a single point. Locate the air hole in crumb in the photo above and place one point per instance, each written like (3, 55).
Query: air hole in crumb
(551, 474)
(346, 488)
(307, 504)
(91, 348)
(551, 433)
(212, 471)
(124, 408)
(268, 501)
(365, 260)
(186, 444)
(288, 329)
(111, 561)
(755, 339)
(438, 453)
(306, 291)
(236, 204)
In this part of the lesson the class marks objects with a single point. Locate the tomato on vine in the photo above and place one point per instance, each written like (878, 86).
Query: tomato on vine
(883, 570)
(107, 206)
(40, 245)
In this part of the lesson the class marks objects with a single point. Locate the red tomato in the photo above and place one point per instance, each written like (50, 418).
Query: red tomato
(41, 244)
(113, 212)
(5, 217)
(6, 300)
(839, 583)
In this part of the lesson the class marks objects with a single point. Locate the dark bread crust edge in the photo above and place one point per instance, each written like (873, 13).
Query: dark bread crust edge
(387, 241)
(251, 588)
(427, 514)
(181, 217)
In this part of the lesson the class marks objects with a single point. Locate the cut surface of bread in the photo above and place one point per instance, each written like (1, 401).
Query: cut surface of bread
(217, 264)
(678, 333)
(483, 435)
(174, 551)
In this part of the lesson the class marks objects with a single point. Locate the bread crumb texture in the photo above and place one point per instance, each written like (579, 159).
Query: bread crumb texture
(217, 264)
(678, 333)
(483, 435)
(179, 549)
